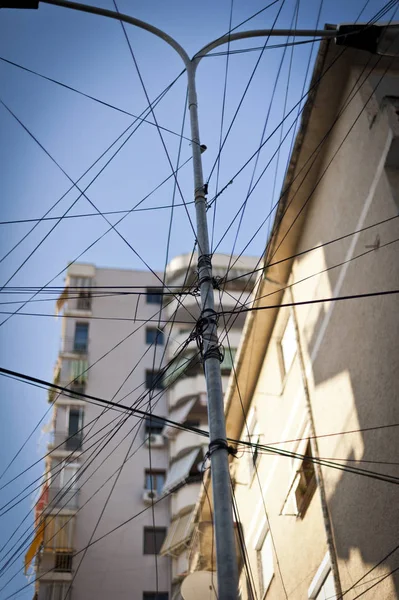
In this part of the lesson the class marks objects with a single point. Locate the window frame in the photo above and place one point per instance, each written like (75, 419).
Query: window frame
(149, 531)
(285, 367)
(157, 473)
(82, 325)
(153, 296)
(320, 578)
(158, 336)
(153, 374)
(266, 538)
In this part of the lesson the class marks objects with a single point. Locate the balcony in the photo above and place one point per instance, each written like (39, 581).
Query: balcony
(66, 442)
(62, 498)
(74, 346)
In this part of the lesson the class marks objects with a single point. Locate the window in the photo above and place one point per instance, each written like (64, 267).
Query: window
(153, 425)
(327, 589)
(322, 586)
(56, 591)
(58, 533)
(63, 562)
(153, 380)
(153, 296)
(83, 295)
(154, 480)
(155, 596)
(254, 438)
(81, 339)
(67, 474)
(265, 563)
(288, 344)
(305, 483)
(75, 424)
(228, 360)
(154, 336)
(153, 539)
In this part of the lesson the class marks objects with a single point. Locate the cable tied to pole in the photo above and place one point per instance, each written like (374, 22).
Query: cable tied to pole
(220, 444)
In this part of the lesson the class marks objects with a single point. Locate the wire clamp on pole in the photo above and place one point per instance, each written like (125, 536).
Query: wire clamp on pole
(220, 444)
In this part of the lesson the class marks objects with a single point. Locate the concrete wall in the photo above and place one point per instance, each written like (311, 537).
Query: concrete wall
(351, 361)
(116, 566)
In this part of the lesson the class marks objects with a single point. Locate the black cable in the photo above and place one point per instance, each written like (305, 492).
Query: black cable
(256, 467)
(244, 552)
(314, 40)
(344, 262)
(107, 104)
(322, 245)
(377, 583)
(155, 120)
(245, 92)
(316, 301)
(107, 212)
(87, 198)
(132, 319)
(93, 542)
(369, 571)
(29, 379)
(115, 431)
(226, 72)
(126, 130)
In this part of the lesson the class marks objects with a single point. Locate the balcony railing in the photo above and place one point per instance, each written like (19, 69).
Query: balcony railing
(63, 498)
(74, 346)
(64, 441)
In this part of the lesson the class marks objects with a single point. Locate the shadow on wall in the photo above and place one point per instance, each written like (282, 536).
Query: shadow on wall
(360, 345)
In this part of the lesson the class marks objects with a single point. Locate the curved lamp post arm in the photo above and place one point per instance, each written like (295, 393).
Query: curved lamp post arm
(241, 35)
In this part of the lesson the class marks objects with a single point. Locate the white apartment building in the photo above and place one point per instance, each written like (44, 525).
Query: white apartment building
(103, 520)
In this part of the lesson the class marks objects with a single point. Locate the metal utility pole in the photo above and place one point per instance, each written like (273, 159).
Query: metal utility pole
(226, 564)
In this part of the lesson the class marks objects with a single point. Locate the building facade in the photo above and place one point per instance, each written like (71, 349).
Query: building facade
(113, 481)
(187, 396)
(317, 379)
(102, 469)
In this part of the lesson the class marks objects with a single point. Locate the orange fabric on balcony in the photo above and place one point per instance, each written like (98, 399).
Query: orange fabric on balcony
(35, 545)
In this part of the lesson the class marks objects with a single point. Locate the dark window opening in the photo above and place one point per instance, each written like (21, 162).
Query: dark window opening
(307, 482)
(153, 425)
(153, 296)
(74, 441)
(154, 336)
(63, 562)
(81, 338)
(153, 539)
(154, 380)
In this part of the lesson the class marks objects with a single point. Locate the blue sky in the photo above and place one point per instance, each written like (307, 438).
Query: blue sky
(90, 53)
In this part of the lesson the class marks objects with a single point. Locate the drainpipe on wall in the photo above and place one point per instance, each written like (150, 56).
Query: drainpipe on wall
(318, 471)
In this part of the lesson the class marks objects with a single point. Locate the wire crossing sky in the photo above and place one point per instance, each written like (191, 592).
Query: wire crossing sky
(87, 133)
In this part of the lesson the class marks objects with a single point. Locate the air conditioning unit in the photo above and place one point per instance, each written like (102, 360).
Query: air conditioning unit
(150, 496)
(155, 440)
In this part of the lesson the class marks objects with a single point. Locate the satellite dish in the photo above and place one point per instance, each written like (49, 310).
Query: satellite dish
(200, 585)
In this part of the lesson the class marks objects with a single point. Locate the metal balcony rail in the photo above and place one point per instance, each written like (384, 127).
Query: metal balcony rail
(66, 441)
(74, 346)
(63, 498)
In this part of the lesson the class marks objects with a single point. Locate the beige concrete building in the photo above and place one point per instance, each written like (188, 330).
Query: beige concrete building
(107, 471)
(324, 368)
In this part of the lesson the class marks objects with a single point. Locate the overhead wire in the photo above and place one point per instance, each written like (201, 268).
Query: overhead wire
(134, 411)
(244, 93)
(136, 253)
(107, 104)
(226, 72)
(120, 136)
(254, 462)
